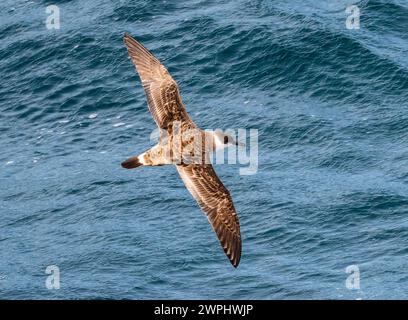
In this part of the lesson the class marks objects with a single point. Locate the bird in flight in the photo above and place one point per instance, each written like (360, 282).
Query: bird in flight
(187, 147)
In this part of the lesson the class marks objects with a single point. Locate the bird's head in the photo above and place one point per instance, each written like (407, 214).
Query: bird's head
(224, 140)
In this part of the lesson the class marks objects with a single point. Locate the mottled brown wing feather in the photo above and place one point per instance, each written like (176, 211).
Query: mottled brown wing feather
(162, 92)
(216, 202)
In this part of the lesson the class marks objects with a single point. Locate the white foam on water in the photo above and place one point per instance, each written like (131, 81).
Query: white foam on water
(93, 116)
(119, 124)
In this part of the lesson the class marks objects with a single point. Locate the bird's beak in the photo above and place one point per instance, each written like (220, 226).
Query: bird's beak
(240, 144)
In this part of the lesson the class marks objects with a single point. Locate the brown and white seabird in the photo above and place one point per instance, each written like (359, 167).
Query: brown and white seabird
(183, 144)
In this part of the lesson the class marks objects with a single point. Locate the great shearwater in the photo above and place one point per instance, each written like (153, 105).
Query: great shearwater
(182, 143)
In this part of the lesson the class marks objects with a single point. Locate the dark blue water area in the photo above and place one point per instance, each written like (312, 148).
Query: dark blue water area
(331, 190)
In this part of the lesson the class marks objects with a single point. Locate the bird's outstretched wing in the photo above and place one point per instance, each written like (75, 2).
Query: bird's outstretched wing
(215, 200)
(162, 92)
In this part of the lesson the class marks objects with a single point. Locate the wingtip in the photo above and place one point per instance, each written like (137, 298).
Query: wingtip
(234, 257)
(126, 36)
(129, 41)
(235, 262)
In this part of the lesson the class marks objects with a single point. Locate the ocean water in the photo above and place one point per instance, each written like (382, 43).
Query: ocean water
(331, 191)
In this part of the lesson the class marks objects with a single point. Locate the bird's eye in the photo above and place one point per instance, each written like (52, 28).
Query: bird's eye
(226, 140)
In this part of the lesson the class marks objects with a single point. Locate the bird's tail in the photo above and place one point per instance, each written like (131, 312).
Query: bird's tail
(132, 163)
(152, 157)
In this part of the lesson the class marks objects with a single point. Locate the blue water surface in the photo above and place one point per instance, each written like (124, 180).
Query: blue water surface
(331, 108)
